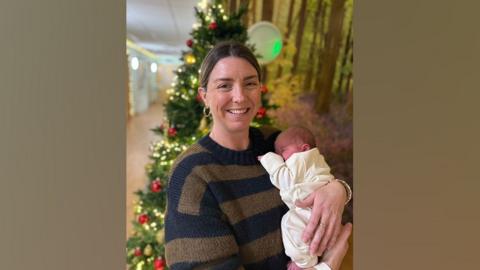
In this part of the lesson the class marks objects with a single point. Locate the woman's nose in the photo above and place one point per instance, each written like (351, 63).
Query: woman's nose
(238, 93)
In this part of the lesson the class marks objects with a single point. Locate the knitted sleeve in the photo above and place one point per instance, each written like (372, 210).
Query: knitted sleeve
(196, 231)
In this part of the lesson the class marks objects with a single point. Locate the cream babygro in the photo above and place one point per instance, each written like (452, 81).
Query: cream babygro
(296, 178)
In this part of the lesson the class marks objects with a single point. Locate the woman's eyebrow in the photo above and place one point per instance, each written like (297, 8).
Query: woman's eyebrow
(230, 79)
(223, 80)
(250, 77)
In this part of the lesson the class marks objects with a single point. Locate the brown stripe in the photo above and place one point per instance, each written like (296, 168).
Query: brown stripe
(194, 187)
(245, 207)
(262, 248)
(196, 183)
(193, 149)
(192, 194)
(200, 249)
(215, 172)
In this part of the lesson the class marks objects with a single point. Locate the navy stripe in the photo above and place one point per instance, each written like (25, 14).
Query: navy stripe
(205, 226)
(231, 264)
(278, 262)
(259, 225)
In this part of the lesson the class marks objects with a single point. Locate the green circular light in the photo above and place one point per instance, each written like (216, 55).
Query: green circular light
(267, 40)
(277, 48)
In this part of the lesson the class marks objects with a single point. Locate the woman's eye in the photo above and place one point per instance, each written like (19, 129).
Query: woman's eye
(224, 87)
(252, 84)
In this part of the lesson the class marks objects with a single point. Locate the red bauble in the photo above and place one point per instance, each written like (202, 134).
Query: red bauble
(212, 26)
(263, 89)
(137, 252)
(172, 132)
(143, 218)
(189, 43)
(159, 263)
(156, 186)
(261, 112)
(199, 98)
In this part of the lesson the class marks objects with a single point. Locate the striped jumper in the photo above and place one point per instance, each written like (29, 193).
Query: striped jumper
(222, 210)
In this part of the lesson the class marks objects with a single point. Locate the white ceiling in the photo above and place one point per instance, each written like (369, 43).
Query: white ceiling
(160, 26)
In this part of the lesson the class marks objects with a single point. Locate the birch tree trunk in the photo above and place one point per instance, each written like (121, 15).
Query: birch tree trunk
(311, 63)
(267, 10)
(332, 46)
(346, 51)
(348, 88)
(245, 19)
(299, 35)
(233, 6)
(287, 34)
(320, 46)
(267, 15)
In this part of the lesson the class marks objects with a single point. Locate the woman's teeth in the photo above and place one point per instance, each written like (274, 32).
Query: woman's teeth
(237, 111)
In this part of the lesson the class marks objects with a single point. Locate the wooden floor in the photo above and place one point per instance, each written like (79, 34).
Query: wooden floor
(139, 138)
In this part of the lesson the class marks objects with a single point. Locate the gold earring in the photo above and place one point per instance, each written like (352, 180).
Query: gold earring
(206, 111)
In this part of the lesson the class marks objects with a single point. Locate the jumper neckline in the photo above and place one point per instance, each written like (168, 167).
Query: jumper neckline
(242, 157)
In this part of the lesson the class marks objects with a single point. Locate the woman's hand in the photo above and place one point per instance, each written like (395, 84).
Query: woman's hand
(334, 255)
(324, 225)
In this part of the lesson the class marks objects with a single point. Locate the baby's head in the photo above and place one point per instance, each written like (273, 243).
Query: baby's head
(292, 140)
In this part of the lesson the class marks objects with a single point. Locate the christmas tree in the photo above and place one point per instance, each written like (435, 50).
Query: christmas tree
(184, 125)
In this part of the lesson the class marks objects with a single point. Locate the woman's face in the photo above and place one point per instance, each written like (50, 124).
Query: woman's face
(232, 94)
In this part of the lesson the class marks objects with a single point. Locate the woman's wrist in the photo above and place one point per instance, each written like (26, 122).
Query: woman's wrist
(347, 188)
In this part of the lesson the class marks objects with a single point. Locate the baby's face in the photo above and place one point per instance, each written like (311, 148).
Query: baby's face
(286, 150)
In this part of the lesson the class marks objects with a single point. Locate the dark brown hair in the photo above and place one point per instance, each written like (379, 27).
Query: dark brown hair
(222, 50)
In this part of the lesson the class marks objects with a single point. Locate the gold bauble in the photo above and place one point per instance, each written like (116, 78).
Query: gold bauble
(190, 59)
(148, 250)
(148, 167)
(161, 236)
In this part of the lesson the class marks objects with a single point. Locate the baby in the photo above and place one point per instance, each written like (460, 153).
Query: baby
(297, 169)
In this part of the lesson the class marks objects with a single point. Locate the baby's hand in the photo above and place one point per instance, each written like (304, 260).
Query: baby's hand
(259, 157)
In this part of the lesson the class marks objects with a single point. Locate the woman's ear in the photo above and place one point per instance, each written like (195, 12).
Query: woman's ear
(202, 93)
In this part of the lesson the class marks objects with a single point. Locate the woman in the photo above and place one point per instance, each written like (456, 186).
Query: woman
(222, 211)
